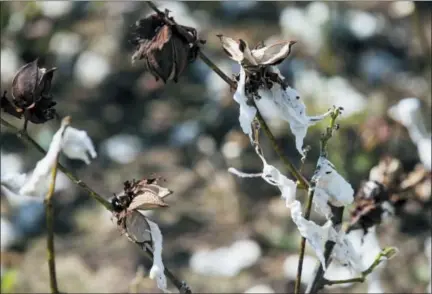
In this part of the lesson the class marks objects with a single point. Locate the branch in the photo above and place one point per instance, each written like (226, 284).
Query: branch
(181, 286)
(302, 182)
(385, 254)
(303, 242)
(317, 282)
(50, 228)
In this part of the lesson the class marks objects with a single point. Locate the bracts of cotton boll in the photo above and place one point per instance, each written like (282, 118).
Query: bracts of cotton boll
(287, 105)
(38, 181)
(273, 176)
(247, 113)
(331, 187)
(77, 144)
(158, 268)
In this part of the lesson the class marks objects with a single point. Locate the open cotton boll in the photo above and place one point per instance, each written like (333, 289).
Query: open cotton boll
(158, 268)
(247, 113)
(287, 105)
(330, 186)
(38, 181)
(78, 145)
(315, 235)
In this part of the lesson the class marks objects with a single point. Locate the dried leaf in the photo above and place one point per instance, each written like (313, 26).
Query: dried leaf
(273, 54)
(137, 227)
(146, 200)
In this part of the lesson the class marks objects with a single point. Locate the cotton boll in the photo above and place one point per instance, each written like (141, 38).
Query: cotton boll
(37, 183)
(247, 112)
(336, 188)
(76, 144)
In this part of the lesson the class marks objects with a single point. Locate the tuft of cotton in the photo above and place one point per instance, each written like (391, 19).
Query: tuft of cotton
(10, 186)
(287, 105)
(247, 113)
(158, 268)
(77, 144)
(344, 252)
(315, 235)
(39, 179)
(330, 186)
(274, 177)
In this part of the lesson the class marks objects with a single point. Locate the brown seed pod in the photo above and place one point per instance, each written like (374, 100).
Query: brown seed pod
(165, 51)
(145, 194)
(31, 94)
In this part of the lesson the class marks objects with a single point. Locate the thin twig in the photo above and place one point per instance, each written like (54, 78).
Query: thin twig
(50, 225)
(317, 282)
(303, 242)
(302, 182)
(323, 152)
(385, 254)
(181, 286)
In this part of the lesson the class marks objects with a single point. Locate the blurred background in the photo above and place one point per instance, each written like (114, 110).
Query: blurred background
(364, 56)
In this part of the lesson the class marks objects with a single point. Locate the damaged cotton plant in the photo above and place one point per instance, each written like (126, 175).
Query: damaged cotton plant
(261, 87)
(128, 207)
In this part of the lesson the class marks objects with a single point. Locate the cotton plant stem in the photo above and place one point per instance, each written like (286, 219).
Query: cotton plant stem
(385, 254)
(323, 152)
(303, 242)
(50, 228)
(302, 182)
(181, 286)
(317, 283)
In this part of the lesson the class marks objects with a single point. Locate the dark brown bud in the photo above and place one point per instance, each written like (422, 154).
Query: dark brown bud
(165, 51)
(31, 94)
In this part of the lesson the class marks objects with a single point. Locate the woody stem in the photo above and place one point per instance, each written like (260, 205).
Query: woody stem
(302, 182)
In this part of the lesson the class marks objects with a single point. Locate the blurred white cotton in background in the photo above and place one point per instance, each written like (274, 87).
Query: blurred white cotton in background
(9, 234)
(363, 24)
(91, 69)
(226, 261)
(65, 44)
(11, 163)
(122, 148)
(262, 288)
(400, 9)
(9, 64)
(55, 9)
(290, 268)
